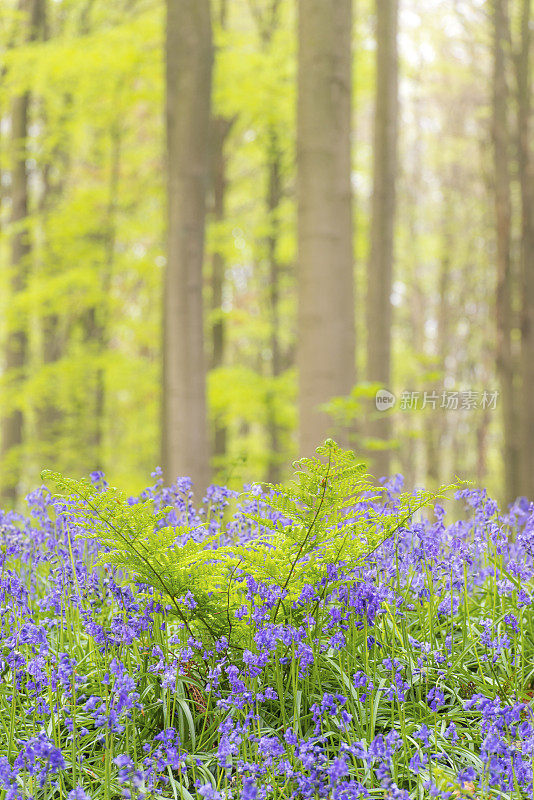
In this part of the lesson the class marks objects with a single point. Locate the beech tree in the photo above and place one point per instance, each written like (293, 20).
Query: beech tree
(267, 21)
(325, 347)
(81, 310)
(503, 218)
(523, 62)
(220, 128)
(188, 81)
(16, 341)
(48, 411)
(380, 264)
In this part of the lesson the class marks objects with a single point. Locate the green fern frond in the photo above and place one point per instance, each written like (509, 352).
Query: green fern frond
(323, 516)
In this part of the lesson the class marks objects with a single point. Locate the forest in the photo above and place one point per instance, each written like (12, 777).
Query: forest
(224, 231)
(266, 400)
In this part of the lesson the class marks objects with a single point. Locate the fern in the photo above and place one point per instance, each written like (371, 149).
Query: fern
(130, 536)
(328, 514)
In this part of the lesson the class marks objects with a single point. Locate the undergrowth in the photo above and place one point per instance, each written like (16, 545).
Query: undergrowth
(327, 639)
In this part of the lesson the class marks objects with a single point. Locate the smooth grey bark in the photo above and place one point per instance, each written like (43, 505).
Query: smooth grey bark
(267, 21)
(99, 316)
(503, 217)
(48, 409)
(437, 418)
(326, 339)
(220, 129)
(189, 56)
(413, 188)
(274, 197)
(525, 132)
(380, 264)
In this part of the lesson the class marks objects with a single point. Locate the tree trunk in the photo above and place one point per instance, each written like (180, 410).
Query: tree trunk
(267, 23)
(49, 415)
(526, 177)
(49, 411)
(380, 265)
(98, 318)
(325, 349)
(274, 197)
(16, 339)
(189, 61)
(436, 422)
(103, 312)
(503, 213)
(220, 128)
(410, 455)
(436, 418)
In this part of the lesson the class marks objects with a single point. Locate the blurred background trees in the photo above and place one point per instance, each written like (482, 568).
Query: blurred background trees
(188, 59)
(217, 298)
(325, 274)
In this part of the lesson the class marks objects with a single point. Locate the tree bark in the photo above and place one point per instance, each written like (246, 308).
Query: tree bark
(99, 316)
(189, 56)
(503, 212)
(410, 454)
(436, 419)
(526, 179)
(274, 197)
(49, 411)
(380, 265)
(267, 23)
(16, 340)
(325, 349)
(220, 128)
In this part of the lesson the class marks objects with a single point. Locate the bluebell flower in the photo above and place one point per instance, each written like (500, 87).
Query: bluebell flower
(451, 733)
(250, 790)
(423, 734)
(418, 760)
(338, 769)
(467, 775)
(78, 794)
(511, 620)
(208, 792)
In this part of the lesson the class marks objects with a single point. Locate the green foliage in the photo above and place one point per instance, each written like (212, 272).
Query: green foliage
(300, 529)
(96, 229)
(132, 540)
